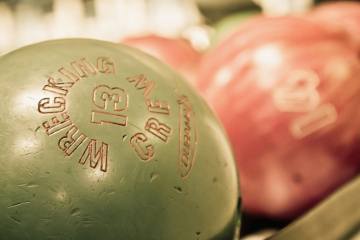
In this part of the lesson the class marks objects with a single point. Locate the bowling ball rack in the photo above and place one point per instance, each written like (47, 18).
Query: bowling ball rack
(337, 217)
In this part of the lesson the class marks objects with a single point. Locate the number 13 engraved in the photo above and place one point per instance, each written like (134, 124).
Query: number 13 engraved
(111, 103)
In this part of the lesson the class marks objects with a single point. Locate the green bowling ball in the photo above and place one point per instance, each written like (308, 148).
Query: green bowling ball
(101, 141)
(230, 23)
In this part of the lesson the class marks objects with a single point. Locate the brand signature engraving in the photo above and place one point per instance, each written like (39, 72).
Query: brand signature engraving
(187, 136)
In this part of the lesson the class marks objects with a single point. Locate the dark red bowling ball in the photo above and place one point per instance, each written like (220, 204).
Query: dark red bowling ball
(340, 16)
(176, 52)
(288, 92)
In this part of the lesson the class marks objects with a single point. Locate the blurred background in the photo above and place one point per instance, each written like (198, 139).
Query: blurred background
(26, 21)
(220, 47)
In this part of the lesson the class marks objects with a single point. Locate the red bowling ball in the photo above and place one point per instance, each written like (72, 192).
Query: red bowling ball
(178, 53)
(341, 16)
(288, 92)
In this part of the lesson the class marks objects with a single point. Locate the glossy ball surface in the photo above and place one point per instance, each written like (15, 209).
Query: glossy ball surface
(287, 91)
(100, 141)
